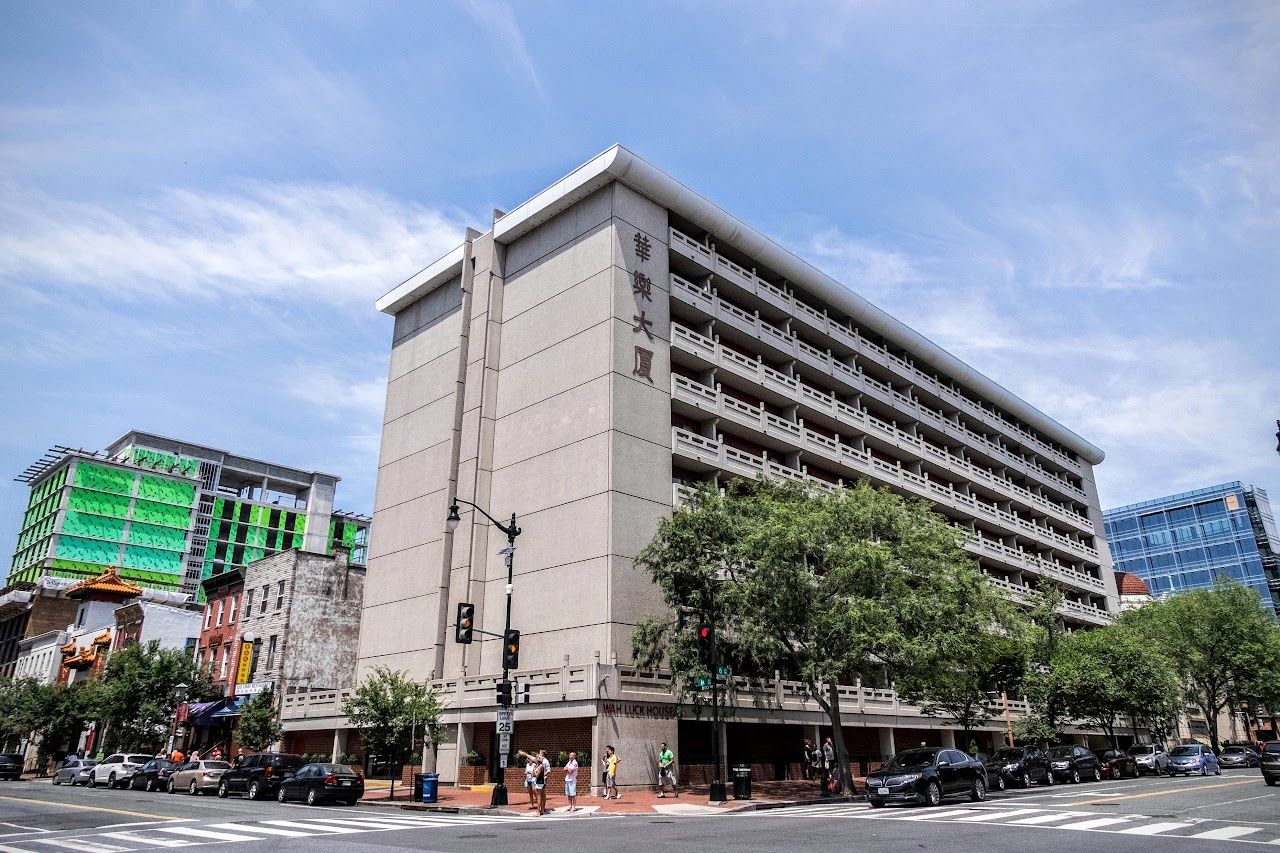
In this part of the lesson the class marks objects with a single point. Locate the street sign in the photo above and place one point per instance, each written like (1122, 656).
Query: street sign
(722, 671)
(704, 682)
(506, 721)
(504, 744)
(253, 688)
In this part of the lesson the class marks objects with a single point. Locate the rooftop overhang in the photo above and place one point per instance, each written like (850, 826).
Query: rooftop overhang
(619, 164)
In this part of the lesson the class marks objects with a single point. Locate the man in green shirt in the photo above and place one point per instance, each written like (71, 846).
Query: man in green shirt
(666, 771)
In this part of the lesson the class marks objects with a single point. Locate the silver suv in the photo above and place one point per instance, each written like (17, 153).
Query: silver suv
(1149, 758)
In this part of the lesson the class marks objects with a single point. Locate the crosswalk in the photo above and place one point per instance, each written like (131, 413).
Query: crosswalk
(191, 833)
(1046, 818)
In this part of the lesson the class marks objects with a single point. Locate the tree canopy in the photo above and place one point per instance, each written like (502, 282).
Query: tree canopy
(138, 695)
(387, 707)
(259, 726)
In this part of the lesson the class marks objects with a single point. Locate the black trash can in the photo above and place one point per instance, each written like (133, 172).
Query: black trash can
(416, 796)
(430, 787)
(742, 783)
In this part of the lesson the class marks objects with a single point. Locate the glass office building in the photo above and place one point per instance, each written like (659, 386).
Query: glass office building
(1184, 541)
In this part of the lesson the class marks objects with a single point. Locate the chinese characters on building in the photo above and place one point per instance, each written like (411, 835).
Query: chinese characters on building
(642, 290)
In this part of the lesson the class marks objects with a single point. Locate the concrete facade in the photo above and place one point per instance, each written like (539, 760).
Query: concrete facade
(39, 658)
(611, 342)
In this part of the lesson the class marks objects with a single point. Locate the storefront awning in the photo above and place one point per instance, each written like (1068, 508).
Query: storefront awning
(231, 709)
(201, 713)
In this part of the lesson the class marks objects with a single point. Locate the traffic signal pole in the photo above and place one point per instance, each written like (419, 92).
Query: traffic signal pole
(717, 782)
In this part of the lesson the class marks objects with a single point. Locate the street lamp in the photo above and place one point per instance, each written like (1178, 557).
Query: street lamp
(451, 522)
(179, 693)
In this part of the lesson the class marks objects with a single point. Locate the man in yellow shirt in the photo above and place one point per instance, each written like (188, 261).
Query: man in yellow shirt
(611, 762)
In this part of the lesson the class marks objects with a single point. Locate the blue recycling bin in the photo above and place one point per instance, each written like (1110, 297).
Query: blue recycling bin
(430, 787)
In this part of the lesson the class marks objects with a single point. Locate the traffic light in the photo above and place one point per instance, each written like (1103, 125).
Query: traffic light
(706, 637)
(466, 622)
(504, 694)
(521, 696)
(511, 650)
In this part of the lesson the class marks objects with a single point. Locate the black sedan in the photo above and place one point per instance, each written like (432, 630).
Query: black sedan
(1022, 765)
(316, 783)
(1239, 756)
(11, 766)
(1074, 763)
(153, 776)
(927, 775)
(1116, 764)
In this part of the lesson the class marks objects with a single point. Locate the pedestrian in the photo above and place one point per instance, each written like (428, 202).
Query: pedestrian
(177, 756)
(820, 768)
(216, 755)
(611, 762)
(973, 748)
(528, 779)
(806, 766)
(666, 771)
(541, 774)
(833, 770)
(195, 755)
(571, 781)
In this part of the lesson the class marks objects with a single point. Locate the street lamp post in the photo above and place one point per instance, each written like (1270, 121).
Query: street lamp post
(499, 797)
(179, 693)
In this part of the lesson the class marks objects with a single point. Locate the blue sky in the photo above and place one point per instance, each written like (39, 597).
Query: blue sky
(199, 202)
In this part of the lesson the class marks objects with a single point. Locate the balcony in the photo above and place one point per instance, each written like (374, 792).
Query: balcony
(817, 321)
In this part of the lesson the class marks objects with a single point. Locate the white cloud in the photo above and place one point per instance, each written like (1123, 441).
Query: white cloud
(329, 243)
(499, 19)
(859, 264)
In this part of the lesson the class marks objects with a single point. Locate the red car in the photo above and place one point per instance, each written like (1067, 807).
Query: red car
(1114, 764)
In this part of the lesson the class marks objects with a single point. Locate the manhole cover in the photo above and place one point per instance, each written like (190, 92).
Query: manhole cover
(531, 828)
(662, 821)
(480, 835)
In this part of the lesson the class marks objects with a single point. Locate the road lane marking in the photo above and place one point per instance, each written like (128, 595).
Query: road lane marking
(149, 841)
(289, 824)
(1154, 828)
(1094, 824)
(207, 835)
(366, 823)
(81, 845)
(1226, 833)
(1166, 791)
(265, 830)
(995, 815)
(932, 815)
(1229, 802)
(1049, 818)
(90, 808)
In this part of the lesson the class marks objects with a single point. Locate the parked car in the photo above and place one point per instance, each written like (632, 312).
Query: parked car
(927, 775)
(1149, 758)
(1023, 765)
(11, 766)
(1239, 756)
(1074, 763)
(994, 769)
(116, 770)
(1116, 764)
(74, 771)
(1193, 758)
(260, 774)
(316, 783)
(196, 777)
(154, 775)
(1269, 760)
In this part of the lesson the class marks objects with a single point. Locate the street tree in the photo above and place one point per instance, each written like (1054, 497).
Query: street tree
(50, 715)
(964, 686)
(387, 707)
(1045, 715)
(259, 725)
(138, 695)
(828, 589)
(1218, 640)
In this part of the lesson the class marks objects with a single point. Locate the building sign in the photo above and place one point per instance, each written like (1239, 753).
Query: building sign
(642, 290)
(639, 710)
(156, 460)
(253, 688)
(246, 662)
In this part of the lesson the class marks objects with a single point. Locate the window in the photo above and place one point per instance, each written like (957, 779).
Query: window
(262, 608)
(248, 604)
(271, 650)
(231, 616)
(222, 667)
(279, 595)
(221, 602)
(208, 615)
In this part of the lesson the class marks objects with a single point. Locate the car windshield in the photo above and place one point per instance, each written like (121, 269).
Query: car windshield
(216, 765)
(293, 762)
(1061, 752)
(137, 759)
(165, 764)
(1273, 748)
(1142, 749)
(337, 769)
(1233, 750)
(1106, 754)
(1186, 750)
(1007, 754)
(88, 762)
(912, 758)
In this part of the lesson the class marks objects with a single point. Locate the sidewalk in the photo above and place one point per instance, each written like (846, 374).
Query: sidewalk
(692, 801)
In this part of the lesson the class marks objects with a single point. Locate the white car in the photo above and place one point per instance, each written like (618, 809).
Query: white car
(116, 769)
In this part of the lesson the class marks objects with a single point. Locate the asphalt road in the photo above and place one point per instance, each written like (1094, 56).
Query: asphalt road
(1196, 814)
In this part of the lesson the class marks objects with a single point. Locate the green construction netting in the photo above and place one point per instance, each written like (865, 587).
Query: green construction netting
(98, 503)
(93, 526)
(104, 478)
(154, 536)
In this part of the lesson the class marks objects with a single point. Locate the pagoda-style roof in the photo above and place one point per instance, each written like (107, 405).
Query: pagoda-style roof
(107, 586)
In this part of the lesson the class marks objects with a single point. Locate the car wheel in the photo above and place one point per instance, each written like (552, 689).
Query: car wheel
(150, 785)
(55, 779)
(280, 795)
(1000, 783)
(1270, 780)
(253, 791)
(1217, 771)
(93, 781)
(879, 804)
(1204, 769)
(978, 792)
(1049, 779)
(1025, 781)
(1075, 776)
(312, 797)
(1115, 772)
(192, 789)
(1097, 775)
(169, 787)
(222, 790)
(933, 794)
(111, 782)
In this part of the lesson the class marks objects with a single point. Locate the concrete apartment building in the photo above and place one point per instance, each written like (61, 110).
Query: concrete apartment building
(168, 513)
(602, 347)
